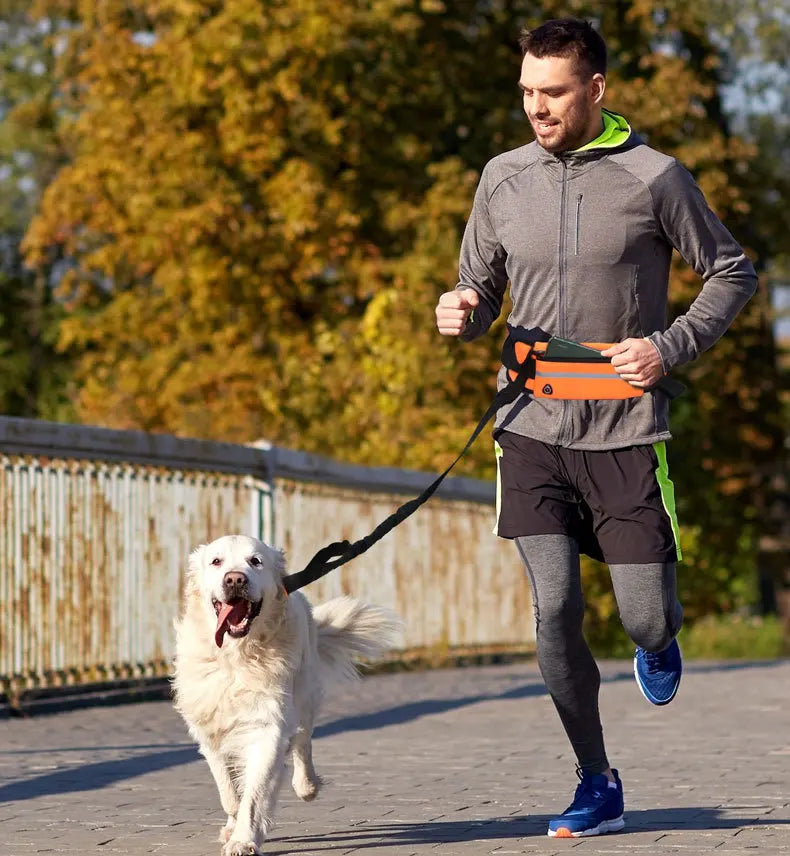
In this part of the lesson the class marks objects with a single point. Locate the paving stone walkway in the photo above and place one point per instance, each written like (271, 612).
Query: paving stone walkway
(447, 762)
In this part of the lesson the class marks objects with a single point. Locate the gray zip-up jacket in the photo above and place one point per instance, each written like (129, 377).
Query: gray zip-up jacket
(585, 239)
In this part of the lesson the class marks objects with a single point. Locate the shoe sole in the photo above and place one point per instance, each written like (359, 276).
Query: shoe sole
(603, 827)
(654, 701)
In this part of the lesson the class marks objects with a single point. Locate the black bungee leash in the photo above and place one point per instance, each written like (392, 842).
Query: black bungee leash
(337, 554)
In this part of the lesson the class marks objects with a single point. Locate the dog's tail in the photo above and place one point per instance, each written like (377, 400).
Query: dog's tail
(350, 631)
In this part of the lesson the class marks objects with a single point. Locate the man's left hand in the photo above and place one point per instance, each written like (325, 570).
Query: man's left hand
(636, 361)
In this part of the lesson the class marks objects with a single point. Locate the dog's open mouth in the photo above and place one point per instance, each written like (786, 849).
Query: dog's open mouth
(234, 618)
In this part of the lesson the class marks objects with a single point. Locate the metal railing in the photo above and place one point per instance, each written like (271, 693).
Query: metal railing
(97, 525)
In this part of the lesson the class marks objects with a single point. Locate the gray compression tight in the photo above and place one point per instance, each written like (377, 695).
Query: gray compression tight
(649, 610)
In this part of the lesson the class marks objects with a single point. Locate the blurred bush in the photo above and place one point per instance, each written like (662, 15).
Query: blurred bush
(725, 637)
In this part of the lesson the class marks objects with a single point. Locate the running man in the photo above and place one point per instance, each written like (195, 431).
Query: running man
(582, 222)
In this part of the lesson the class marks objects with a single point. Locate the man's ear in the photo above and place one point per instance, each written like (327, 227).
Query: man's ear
(597, 87)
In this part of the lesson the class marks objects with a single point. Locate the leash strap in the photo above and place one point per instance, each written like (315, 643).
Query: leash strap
(340, 552)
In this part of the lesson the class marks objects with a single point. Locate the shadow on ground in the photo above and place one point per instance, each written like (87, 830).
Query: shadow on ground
(412, 710)
(447, 832)
(91, 777)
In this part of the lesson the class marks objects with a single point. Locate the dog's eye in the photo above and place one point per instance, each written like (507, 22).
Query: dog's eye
(216, 561)
(254, 560)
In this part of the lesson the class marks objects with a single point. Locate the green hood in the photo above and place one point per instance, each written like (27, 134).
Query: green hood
(616, 131)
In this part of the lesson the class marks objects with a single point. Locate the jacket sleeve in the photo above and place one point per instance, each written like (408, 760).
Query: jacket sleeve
(729, 279)
(482, 264)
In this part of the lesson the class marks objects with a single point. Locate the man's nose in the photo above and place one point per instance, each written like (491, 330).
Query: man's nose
(536, 105)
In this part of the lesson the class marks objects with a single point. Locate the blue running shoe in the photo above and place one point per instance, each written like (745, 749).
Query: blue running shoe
(658, 674)
(597, 807)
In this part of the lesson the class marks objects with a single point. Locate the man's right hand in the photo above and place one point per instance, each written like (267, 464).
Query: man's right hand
(454, 309)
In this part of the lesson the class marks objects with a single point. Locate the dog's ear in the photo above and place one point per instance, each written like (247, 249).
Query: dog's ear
(278, 566)
(191, 584)
(196, 560)
(278, 557)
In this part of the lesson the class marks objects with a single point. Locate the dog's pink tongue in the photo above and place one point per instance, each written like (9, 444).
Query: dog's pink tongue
(229, 613)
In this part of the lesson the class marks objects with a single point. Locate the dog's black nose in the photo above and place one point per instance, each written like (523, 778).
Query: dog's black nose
(234, 579)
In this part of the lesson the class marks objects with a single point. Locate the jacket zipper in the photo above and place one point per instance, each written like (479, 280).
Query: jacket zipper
(561, 323)
(563, 249)
(578, 220)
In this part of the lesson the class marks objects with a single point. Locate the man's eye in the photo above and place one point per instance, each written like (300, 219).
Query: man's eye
(216, 561)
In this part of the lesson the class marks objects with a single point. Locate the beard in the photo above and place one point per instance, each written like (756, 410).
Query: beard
(566, 133)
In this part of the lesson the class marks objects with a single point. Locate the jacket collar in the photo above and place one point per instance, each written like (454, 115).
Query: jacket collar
(617, 136)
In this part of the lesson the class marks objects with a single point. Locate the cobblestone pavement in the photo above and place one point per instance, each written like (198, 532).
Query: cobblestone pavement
(448, 762)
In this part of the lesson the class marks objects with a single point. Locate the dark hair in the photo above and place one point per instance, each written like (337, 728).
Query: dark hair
(566, 37)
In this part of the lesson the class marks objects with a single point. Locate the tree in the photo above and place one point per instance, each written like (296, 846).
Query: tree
(254, 181)
(33, 375)
(759, 81)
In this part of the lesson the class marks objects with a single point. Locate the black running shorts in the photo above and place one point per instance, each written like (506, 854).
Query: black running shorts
(618, 504)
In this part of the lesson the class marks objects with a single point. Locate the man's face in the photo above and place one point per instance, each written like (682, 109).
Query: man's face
(560, 105)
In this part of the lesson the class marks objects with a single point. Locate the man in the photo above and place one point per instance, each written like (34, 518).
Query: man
(582, 223)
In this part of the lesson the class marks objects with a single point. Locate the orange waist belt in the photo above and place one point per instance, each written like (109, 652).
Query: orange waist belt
(578, 371)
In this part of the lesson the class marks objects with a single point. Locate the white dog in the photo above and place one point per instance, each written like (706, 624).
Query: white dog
(251, 665)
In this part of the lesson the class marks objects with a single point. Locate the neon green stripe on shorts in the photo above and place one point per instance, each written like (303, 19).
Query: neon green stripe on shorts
(667, 489)
(498, 452)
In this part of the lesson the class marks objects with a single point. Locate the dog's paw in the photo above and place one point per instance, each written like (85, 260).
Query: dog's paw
(305, 788)
(227, 830)
(241, 848)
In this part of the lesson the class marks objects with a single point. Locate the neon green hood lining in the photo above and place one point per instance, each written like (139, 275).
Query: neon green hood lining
(616, 131)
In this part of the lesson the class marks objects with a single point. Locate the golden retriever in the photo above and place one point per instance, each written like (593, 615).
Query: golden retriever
(251, 666)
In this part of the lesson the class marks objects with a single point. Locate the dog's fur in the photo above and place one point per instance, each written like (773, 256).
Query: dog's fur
(250, 699)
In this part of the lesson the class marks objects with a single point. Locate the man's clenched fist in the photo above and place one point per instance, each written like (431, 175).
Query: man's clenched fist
(454, 309)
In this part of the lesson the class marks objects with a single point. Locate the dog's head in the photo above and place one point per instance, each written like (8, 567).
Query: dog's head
(236, 577)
